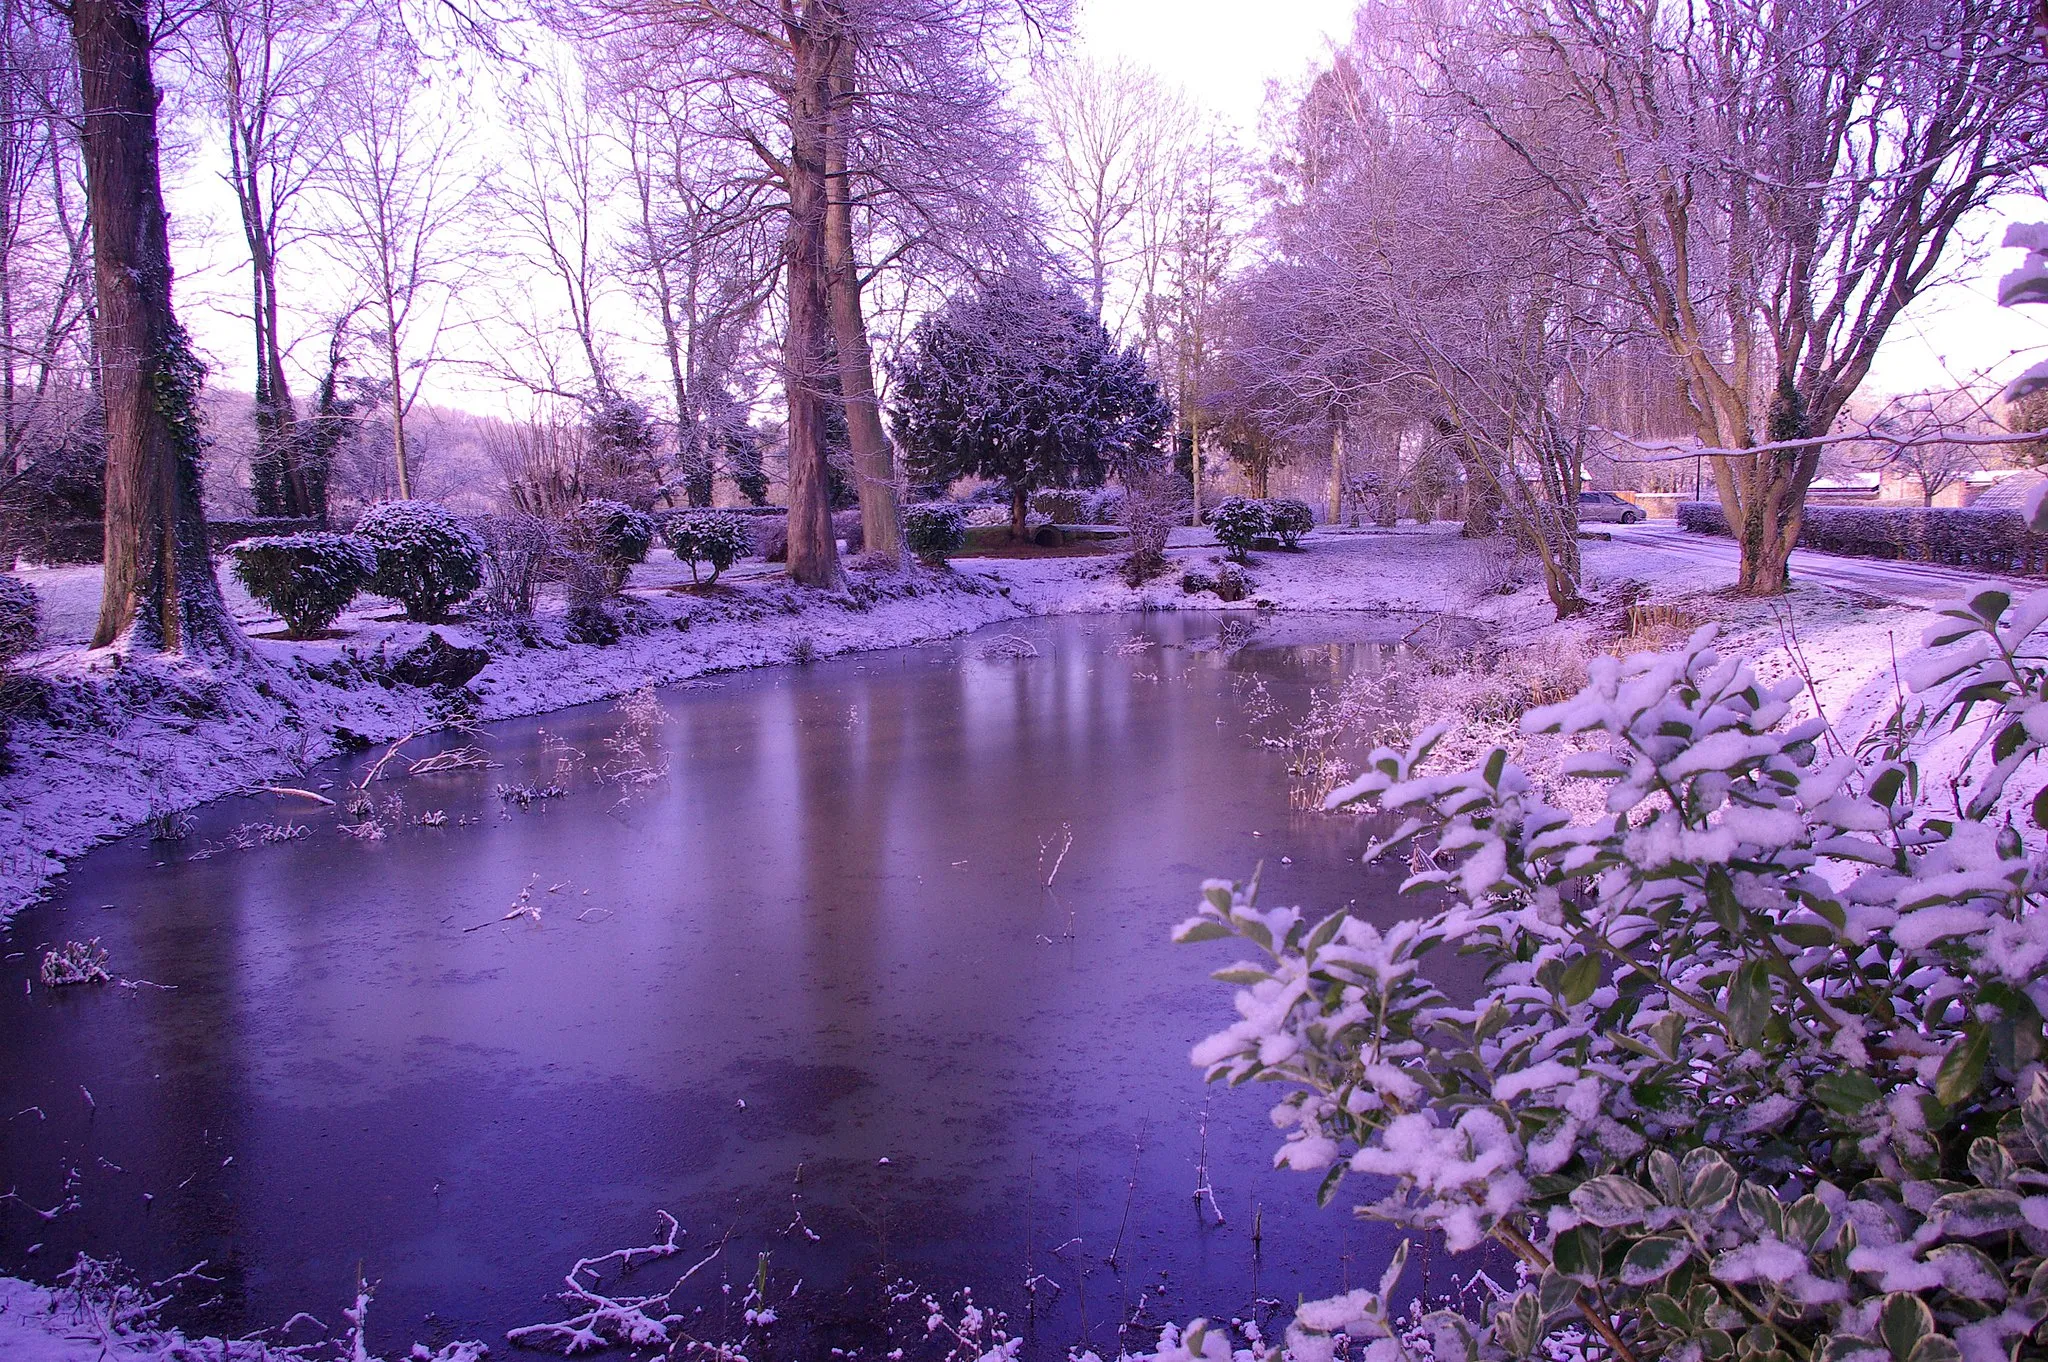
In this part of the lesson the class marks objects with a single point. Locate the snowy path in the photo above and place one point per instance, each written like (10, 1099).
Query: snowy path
(1917, 584)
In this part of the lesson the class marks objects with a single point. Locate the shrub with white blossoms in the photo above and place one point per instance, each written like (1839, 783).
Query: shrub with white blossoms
(1756, 1071)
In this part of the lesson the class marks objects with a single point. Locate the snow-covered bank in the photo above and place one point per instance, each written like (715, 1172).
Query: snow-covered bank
(115, 741)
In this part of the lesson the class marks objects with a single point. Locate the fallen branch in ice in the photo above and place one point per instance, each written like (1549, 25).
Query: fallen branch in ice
(635, 1321)
(296, 793)
(455, 759)
(523, 906)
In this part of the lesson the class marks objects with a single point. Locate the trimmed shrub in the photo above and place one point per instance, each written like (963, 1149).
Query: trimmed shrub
(1239, 523)
(1958, 536)
(933, 530)
(719, 538)
(613, 537)
(308, 579)
(20, 618)
(1290, 520)
(426, 559)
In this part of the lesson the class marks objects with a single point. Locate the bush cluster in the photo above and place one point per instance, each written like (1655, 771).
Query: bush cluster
(933, 530)
(20, 618)
(612, 537)
(1239, 523)
(719, 538)
(426, 559)
(308, 579)
(1757, 1070)
(1230, 583)
(1956, 535)
(1291, 519)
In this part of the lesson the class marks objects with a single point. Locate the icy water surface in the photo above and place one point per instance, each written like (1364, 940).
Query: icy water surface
(808, 983)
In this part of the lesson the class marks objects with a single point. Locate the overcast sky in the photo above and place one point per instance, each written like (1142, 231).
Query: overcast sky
(1225, 53)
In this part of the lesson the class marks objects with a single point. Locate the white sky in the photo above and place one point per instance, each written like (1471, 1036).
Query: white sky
(1224, 53)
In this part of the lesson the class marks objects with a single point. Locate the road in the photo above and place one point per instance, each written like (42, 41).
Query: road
(1918, 584)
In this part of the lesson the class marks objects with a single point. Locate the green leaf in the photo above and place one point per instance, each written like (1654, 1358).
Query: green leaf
(1576, 1254)
(1325, 932)
(1245, 975)
(1935, 1348)
(1978, 1210)
(1204, 929)
(2034, 1115)
(1610, 1200)
(1580, 978)
(1846, 1092)
(2009, 740)
(1653, 1259)
(1556, 1292)
(1393, 1273)
(1963, 1067)
(1806, 935)
(1902, 1321)
(1519, 1324)
(1885, 788)
(1988, 606)
(1666, 1180)
(1806, 1220)
(1843, 1347)
(1990, 1164)
(2041, 808)
(1328, 1187)
(1749, 1004)
(1709, 1183)
(1760, 1208)
(1496, 762)
(1218, 897)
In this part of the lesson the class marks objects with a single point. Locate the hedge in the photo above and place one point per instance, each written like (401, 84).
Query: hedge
(83, 541)
(1958, 536)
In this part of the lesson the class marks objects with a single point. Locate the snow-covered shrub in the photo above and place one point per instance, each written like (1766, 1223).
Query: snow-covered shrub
(427, 560)
(308, 579)
(1239, 523)
(719, 538)
(521, 550)
(1156, 499)
(612, 537)
(1290, 520)
(1757, 1070)
(20, 618)
(933, 530)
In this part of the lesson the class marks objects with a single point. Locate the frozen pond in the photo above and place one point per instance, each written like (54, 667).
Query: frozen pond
(813, 969)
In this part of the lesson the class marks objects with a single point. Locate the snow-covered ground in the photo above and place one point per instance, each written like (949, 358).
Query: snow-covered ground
(125, 739)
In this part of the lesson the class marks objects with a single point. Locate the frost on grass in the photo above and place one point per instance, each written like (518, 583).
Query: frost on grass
(75, 962)
(1760, 1052)
(98, 1312)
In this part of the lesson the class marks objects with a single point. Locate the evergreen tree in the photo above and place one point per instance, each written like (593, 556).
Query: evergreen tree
(1020, 381)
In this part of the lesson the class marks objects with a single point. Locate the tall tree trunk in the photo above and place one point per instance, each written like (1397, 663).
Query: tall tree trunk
(874, 467)
(813, 552)
(159, 590)
(397, 402)
(1337, 471)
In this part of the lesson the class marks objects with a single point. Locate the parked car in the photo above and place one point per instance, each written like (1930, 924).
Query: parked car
(1607, 506)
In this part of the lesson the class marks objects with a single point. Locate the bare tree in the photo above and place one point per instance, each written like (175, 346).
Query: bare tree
(1201, 245)
(49, 422)
(395, 193)
(1768, 183)
(1118, 138)
(264, 68)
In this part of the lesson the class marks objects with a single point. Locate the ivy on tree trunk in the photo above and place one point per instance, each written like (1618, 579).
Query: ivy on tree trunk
(159, 590)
